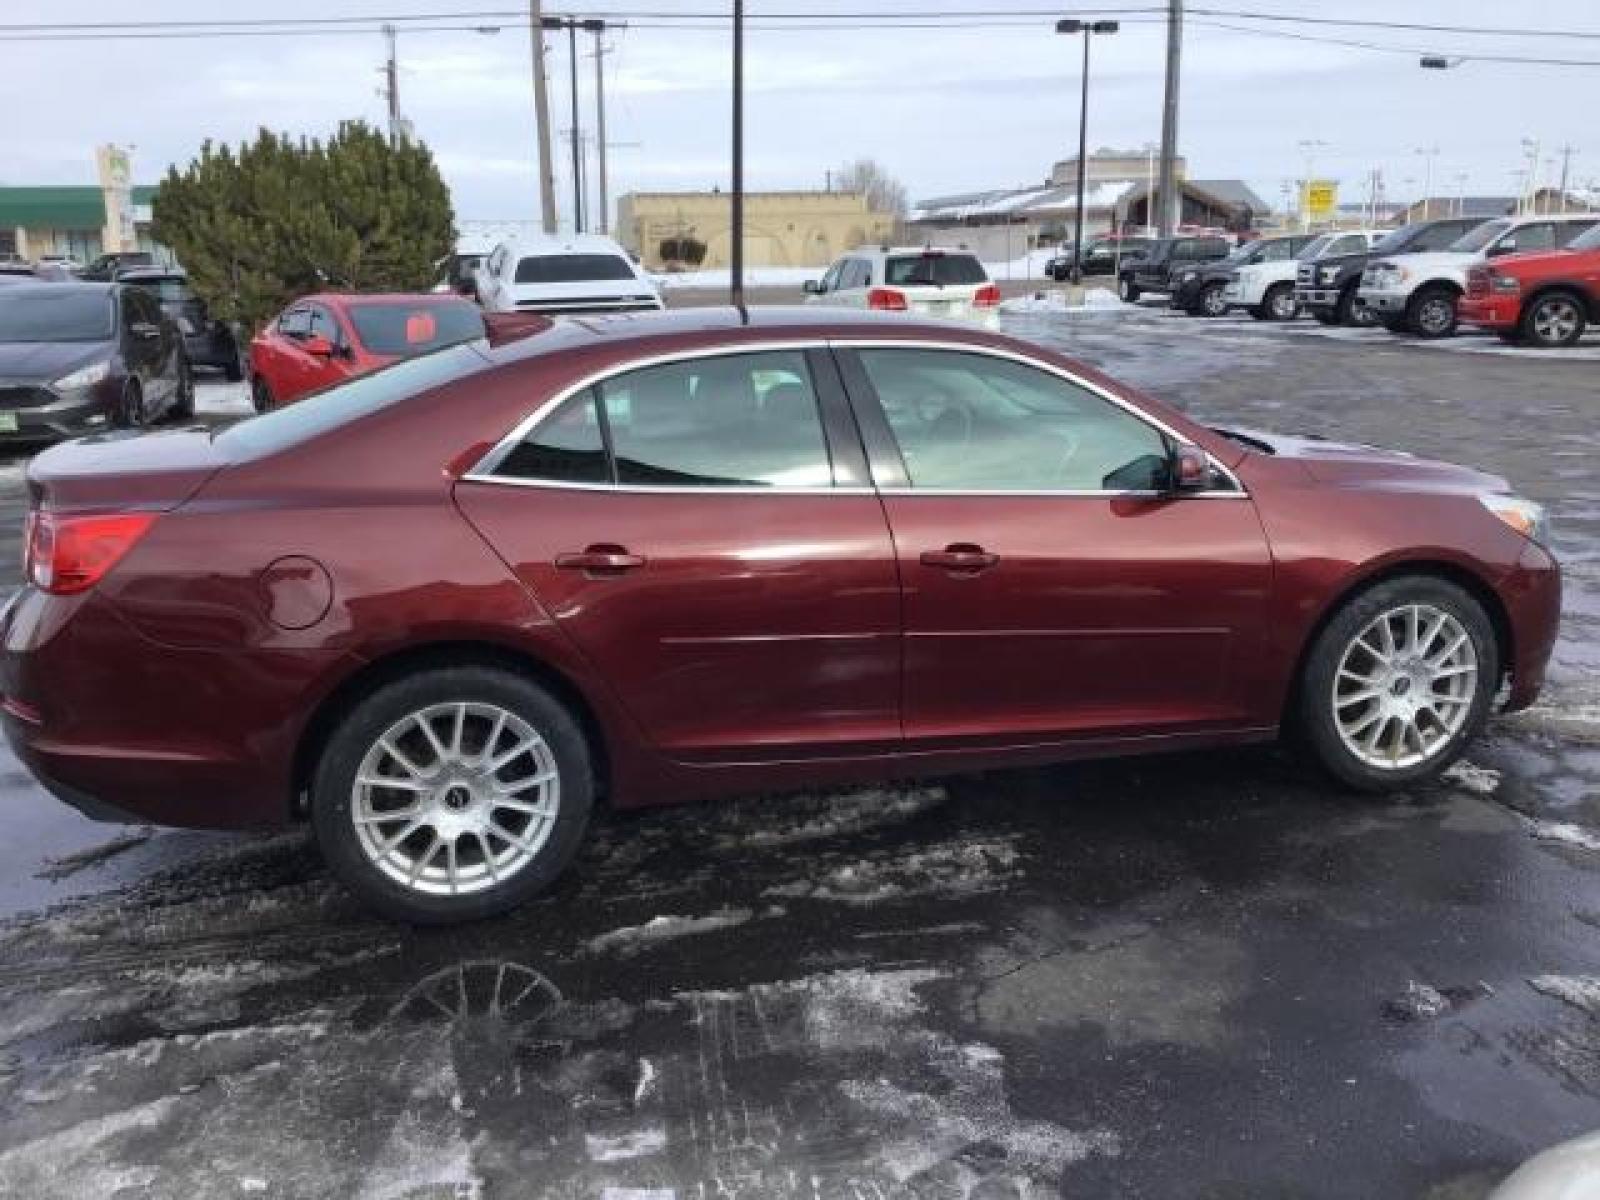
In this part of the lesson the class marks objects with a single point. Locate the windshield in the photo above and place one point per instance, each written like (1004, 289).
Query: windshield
(1480, 237)
(52, 315)
(346, 402)
(934, 269)
(1395, 239)
(1317, 245)
(572, 268)
(415, 328)
(1587, 241)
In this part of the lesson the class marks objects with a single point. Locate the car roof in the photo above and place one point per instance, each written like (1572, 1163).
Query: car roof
(135, 274)
(56, 289)
(346, 298)
(730, 326)
(572, 243)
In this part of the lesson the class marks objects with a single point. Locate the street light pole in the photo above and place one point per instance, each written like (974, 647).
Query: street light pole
(577, 145)
(1088, 29)
(1428, 153)
(598, 28)
(1171, 206)
(541, 118)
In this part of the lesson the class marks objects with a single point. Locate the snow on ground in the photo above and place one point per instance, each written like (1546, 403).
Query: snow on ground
(215, 397)
(1580, 991)
(1565, 833)
(630, 939)
(963, 866)
(1482, 781)
(1057, 301)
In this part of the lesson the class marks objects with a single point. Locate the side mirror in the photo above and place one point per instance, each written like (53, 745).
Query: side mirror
(812, 287)
(318, 345)
(1500, 248)
(1188, 468)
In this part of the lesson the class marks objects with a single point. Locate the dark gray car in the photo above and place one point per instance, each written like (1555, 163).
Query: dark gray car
(81, 357)
(209, 343)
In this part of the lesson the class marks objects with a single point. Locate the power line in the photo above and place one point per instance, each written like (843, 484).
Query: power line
(1409, 51)
(1408, 26)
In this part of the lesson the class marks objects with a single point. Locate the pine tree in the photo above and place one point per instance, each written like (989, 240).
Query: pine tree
(283, 217)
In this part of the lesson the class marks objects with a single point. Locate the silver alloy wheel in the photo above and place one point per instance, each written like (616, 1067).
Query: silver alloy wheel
(1404, 686)
(1555, 320)
(1434, 316)
(1282, 304)
(456, 798)
(1213, 301)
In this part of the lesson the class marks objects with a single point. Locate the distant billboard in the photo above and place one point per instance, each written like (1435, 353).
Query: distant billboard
(1319, 198)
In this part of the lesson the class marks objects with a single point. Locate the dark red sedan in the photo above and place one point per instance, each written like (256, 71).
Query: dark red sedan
(438, 610)
(325, 339)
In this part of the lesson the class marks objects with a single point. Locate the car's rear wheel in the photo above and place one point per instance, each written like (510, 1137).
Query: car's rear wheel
(1398, 682)
(1432, 312)
(452, 794)
(1352, 313)
(1127, 291)
(260, 395)
(1554, 320)
(1279, 303)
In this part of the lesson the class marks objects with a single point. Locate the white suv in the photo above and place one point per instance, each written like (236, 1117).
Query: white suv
(1417, 293)
(923, 280)
(586, 273)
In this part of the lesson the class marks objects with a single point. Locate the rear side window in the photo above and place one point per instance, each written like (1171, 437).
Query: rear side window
(366, 394)
(572, 268)
(742, 420)
(910, 270)
(414, 328)
(1568, 232)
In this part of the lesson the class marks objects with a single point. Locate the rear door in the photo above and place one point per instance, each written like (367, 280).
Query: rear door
(142, 344)
(704, 531)
(1052, 593)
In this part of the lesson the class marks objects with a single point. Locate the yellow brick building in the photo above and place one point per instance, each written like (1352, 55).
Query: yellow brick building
(782, 229)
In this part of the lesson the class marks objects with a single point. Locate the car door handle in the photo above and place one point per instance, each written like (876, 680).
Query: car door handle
(600, 560)
(960, 556)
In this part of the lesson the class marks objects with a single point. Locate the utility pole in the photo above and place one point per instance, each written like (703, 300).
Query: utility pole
(577, 146)
(1170, 204)
(736, 214)
(391, 87)
(600, 118)
(541, 118)
(1566, 167)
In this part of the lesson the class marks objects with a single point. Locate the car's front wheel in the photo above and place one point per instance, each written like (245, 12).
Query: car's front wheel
(1127, 291)
(1554, 321)
(1213, 301)
(1398, 682)
(1279, 304)
(452, 794)
(1432, 312)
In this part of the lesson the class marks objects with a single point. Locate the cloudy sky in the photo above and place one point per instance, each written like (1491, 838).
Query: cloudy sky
(945, 109)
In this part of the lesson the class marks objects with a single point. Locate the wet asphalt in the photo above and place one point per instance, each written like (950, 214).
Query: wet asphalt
(1207, 977)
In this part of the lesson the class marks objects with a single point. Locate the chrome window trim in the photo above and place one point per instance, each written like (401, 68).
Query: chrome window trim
(483, 471)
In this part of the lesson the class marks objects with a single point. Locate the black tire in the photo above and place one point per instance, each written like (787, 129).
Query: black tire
(333, 784)
(1395, 324)
(130, 412)
(233, 368)
(1431, 312)
(1212, 303)
(1325, 317)
(1358, 316)
(183, 405)
(1554, 320)
(1314, 719)
(260, 395)
(1273, 304)
(1127, 291)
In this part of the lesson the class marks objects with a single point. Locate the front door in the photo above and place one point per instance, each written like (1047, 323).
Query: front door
(1052, 592)
(704, 532)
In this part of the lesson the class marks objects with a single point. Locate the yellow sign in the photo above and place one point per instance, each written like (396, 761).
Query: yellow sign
(1318, 198)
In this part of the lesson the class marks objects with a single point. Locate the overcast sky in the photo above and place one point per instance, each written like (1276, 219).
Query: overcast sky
(946, 110)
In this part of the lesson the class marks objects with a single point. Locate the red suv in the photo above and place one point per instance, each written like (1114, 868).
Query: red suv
(328, 338)
(438, 611)
(1545, 299)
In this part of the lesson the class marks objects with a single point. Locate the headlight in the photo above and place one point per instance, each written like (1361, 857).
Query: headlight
(1523, 515)
(84, 376)
(1505, 283)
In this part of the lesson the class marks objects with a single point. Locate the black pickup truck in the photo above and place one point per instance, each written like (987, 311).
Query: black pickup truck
(1165, 260)
(1327, 286)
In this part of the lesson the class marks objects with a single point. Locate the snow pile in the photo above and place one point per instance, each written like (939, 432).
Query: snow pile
(1481, 781)
(631, 939)
(1057, 302)
(955, 867)
(1580, 991)
(636, 1143)
(761, 824)
(1565, 832)
(1419, 1002)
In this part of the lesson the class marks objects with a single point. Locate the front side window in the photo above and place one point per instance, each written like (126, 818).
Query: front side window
(296, 323)
(1540, 236)
(737, 420)
(971, 422)
(1276, 251)
(323, 324)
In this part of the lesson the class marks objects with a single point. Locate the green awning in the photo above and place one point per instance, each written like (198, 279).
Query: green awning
(64, 207)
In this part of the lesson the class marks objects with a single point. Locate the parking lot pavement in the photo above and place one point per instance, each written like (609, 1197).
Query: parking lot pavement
(1198, 977)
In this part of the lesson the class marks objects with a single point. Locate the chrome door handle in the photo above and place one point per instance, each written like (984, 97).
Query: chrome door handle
(600, 560)
(961, 557)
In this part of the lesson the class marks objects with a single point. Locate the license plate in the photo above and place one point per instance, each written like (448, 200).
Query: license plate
(8, 422)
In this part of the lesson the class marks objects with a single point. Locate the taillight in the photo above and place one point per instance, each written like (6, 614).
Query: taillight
(886, 298)
(66, 555)
(988, 296)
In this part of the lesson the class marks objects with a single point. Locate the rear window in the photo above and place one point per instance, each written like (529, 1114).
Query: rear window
(414, 328)
(360, 397)
(51, 315)
(572, 268)
(933, 268)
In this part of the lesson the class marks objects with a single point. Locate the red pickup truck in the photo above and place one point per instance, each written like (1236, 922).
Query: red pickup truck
(1545, 299)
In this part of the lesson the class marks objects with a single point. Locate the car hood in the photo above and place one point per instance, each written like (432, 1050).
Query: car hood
(1352, 462)
(1433, 260)
(1534, 258)
(1282, 269)
(42, 362)
(1340, 260)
